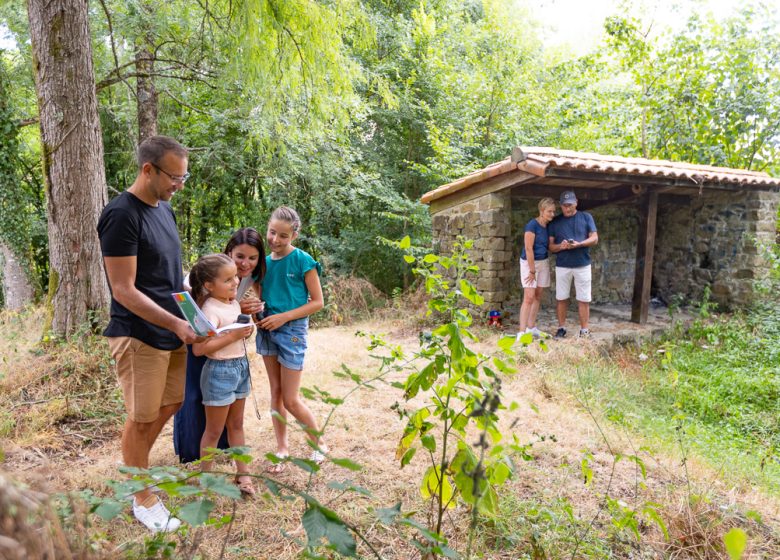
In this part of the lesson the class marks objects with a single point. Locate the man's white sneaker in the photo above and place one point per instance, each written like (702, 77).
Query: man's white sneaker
(536, 332)
(156, 518)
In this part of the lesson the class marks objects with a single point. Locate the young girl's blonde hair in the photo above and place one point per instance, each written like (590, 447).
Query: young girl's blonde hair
(206, 270)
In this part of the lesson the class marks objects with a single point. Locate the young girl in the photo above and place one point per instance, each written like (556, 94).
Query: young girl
(291, 290)
(246, 249)
(534, 267)
(225, 378)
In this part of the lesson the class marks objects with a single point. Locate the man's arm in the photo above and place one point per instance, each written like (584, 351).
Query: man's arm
(121, 276)
(593, 239)
(558, 247)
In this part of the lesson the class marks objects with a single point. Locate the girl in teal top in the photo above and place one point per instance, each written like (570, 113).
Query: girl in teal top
(292, 291)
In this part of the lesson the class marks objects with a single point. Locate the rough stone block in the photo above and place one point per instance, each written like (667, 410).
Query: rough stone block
(494, 217)
(494, 200)
(493, 257)
(492, 265)
(456, 222)
(471, 231)
(489, 284)
(490, 243)
(494, 298)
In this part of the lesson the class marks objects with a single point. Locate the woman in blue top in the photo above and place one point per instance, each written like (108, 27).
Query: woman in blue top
(291, 289)
(534, 267)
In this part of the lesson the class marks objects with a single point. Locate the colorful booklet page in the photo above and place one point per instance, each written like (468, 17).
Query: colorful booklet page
(197, 320)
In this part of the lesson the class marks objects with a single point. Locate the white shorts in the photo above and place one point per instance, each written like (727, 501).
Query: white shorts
(542, 274)
(581, 277)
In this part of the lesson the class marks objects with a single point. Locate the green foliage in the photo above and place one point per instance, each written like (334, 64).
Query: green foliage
(462, 390)
(22, 208)
(705, 95)
(712, 387)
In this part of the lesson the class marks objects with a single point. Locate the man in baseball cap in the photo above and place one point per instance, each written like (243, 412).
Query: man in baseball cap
(571, 236)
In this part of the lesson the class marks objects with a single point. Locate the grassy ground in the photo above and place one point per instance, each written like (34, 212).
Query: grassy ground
(712, 391)
(594, 421)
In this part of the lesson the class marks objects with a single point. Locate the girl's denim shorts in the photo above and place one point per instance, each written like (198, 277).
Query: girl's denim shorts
(288, 343)
(222, 382)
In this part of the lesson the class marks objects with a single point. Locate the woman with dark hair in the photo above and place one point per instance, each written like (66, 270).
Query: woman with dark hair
(247, 250)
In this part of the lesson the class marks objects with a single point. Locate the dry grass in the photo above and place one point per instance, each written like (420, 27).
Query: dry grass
(365, 429)
(30, 528)
(347, 299)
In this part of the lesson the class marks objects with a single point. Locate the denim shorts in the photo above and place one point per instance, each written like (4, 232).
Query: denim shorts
(288, 343)
(222, 382)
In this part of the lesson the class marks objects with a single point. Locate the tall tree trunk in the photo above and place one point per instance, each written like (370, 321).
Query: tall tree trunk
(146, 93)
(72, 158)
(17, 288)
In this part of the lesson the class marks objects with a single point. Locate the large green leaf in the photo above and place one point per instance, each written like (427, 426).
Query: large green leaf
(736, 543)
(196, 513)
(109, 508)
(322, 523)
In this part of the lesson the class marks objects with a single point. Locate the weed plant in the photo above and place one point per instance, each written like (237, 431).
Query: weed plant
(717, 381)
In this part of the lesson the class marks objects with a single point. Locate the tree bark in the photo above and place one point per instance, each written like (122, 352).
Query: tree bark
(72, 150)
(17, 288)
(146, 94)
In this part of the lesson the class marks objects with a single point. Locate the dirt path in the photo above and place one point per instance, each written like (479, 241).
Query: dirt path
(366, 430)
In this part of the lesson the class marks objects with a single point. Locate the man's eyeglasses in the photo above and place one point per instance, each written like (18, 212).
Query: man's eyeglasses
(174, 178)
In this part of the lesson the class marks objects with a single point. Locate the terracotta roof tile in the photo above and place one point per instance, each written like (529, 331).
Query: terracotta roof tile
(537, 160)
(641, 166)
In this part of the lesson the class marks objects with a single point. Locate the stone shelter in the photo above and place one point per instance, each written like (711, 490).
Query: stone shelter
(666, 229)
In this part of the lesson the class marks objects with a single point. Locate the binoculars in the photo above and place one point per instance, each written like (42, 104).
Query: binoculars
(244, 318)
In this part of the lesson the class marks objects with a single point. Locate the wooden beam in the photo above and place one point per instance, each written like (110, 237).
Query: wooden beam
(536, 190)
(645, 248)
(499, 183)
(652, 180)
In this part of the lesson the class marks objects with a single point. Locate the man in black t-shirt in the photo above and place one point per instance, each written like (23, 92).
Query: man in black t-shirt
(142, 256)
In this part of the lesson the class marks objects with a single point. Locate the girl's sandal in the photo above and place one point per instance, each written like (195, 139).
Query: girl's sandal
(277, 468)
(245, 485)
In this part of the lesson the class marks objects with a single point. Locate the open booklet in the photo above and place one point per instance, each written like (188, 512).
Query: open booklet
(198, 320)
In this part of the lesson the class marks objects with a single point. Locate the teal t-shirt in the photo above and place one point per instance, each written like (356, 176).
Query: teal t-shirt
(284, 286)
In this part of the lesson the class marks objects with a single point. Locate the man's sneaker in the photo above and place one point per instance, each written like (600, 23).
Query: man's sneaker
(560, 333)
(536, 333)
(584, 333)
(156, 518)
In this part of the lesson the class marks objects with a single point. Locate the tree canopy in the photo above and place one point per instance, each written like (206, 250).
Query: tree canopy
(349, 111)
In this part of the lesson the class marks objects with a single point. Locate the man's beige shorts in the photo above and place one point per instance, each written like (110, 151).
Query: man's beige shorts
(150, 378)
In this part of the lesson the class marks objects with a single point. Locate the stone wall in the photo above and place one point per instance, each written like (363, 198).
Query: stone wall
(486, 221)
(709, 240)
(700, 240)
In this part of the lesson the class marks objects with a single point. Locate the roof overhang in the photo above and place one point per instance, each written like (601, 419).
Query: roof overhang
(537, 171)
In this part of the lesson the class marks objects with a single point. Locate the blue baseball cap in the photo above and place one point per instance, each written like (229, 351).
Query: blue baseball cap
(568, 197)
